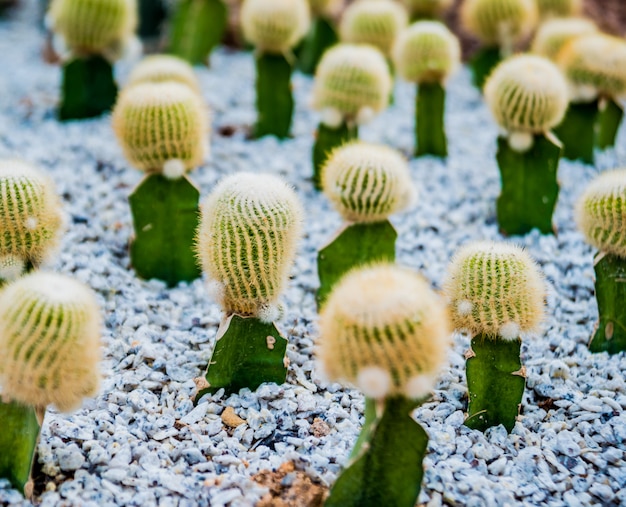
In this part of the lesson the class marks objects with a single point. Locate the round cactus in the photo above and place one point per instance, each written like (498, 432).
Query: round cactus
(499, 22)
(50, 339)
(553, 35)
(601, 213)
(426, 52)
(495, 289)
(375, 22)
(162, 127)
(559, 8)
(164, 68)
(93, 26)
(352, 82)
(427, 8)
(274, 26)
(31, 219)
(384, 330)
(325, 8)
(367, 182)
(247, 238)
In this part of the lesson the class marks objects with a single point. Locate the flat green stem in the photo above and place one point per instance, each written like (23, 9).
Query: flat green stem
(247, 353)
(274, 100)
(321, 36)
(529, 186)
(610, 335)
(327, 139)
(165, 216)
(354, 245)
(388, 470)
(609, 119)
(495, 380)
(577, 131)
(482, 63)
(430, 135)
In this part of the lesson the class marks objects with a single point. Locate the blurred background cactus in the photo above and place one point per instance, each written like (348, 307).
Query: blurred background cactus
(163, 68)
(322, 33)
(427, 9)
(559, 8)
(553, 35)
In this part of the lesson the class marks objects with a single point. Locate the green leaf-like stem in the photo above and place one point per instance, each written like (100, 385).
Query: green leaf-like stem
(482, 63)
(321, 36)
(274, 100)
(430, 135)
(609, 119)
(577, 131)
(327, 139)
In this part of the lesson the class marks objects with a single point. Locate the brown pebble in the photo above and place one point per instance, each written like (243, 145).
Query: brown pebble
(230, 419)
(319, 428)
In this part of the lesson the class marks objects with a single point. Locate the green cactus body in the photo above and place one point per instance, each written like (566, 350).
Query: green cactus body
(152, 14)
(482, 64)
(328, 139)
(429, 121)
(577, 131)
(274, 100)
(321, 36)
(609, 120)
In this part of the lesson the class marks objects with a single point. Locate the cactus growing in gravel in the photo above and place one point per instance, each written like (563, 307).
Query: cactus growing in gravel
(352, 83)
(496, 293)
(527, 95)
(559, 8)
(162, 128)
(366, 183)
(49, 344)
(601, 216)
(553, 35)
(247, 238)
(499, 25)
(426, 53)
(384, 330)
(162, 68)
(321, 35)
(427, 9)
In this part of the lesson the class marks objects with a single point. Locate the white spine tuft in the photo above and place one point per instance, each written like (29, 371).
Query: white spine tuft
(374, 382)
(173, 169)
(269, 313)
(11, 267)
(419, 386)
(365, 115)
(510, 331)
(464, 307)
(332, 117)
(521, 142)
(31, 223)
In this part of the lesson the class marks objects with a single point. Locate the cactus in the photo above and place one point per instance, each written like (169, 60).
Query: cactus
(496, 292)
(152, 15)
(427, 9)
(499, 25)
(384, 330)
(95, 33)
(553, 35)
(162, 129)
(249, 229)
(559, 8)
(352, 83)
(601, 217)
(427, 53)
(49, 343)
(321, 35)
(366, 183)
(162, 68)
(274, 27)
(527, 95)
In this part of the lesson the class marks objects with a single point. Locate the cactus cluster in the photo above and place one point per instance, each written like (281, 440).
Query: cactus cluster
(163, 68)
(559, 8)
(325, 8)
(553, 35)
(420, 9)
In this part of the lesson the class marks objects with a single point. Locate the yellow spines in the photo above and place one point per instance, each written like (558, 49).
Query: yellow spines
(352, 83)
(601, 212)
(162, 68)
(50, 341)
(162, 127)
(499, 22)
(559, 8)
(375, 22)
(427, 8)
(426, 52)
(384, 330)
(249, 229)
(274, 26)
(367, 182)
(553, 35)
(325, 8)
(495, 289)
(31, 219)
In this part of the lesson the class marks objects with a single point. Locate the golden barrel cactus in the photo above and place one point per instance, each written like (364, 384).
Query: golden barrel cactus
(553, 35)
(164, 68)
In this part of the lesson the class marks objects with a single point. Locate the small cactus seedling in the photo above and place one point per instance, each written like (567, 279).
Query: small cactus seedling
(496, 293)
(352, 84)
(95, 33)
(274, 27)
(601, 216)
(499, 25)
(527, 95)
(162, 129)
(31, 219)
(49, 353)
(197, 26)
(427, 9)
(366, 183)
(162, 68)
(553, 35)
(386, 332)
(426, 53)
(559, 8)
(595, 67)
(247, 239)
(321, 35)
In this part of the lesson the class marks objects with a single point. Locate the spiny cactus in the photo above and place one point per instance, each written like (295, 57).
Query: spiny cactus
(322, 33)
(163, 68)
(559, 8)
(385, 331)
(427, 9)
(553, 35)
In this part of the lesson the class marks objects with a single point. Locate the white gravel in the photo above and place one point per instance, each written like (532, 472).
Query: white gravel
(142, 442)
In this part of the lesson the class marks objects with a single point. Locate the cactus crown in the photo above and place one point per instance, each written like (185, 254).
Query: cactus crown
(325, 8)
(160, 68)
(367, 182)
(499, 22)
(249, 228)
(559, 8)
(31, 219)
(426, 52)
(495, 289)
(554, 34)
(375, 22)
(601, 212)
(274, 26)
(161, 127)
(595, 64)
(352, 79)
(427, 8)
(527, 93)
(50, 339)
(384, 330)
(94, 26)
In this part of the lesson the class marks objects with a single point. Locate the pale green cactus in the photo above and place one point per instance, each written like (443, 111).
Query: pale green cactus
(553, 35)
(325, 8)
(559, 8)
(427, 9)
(164, 68)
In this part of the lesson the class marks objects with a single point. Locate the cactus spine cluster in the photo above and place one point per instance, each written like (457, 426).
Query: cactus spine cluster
(427, 9)
(559, 8)
(553, 35)
(163, 68)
